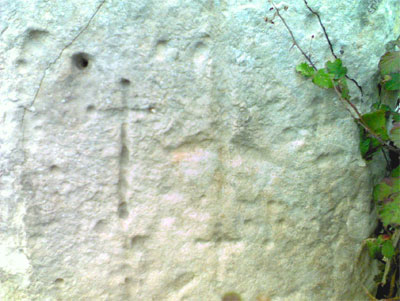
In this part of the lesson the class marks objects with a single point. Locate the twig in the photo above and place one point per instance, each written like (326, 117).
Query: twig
(369, 294)
(374, 299)
(291, 34)
(360, 120)
(330, 44)
(386, 271)
(323, 28)
(396, 237)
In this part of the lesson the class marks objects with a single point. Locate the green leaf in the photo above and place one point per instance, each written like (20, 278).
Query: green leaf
(396, 189)
(305, 69)
(396, 116)
(368, 145)
(390, 213)
(381, 106)
(380, 240)
(373, 248)
(389, 97)
(381, 191)
(335, 68)
(387, 196)
(344, 88)
(323, 79)
(375, 106)
(390, 63)
(375, 145)
(384, 107)
(376, 121)
(364, 146)
(396, 172)
(394, 82)
(388, 249)
(389, 66)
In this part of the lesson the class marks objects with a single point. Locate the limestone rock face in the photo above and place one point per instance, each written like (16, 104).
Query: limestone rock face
(167, 150)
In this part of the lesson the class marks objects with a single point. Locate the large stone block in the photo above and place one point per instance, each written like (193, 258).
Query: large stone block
(167, 150)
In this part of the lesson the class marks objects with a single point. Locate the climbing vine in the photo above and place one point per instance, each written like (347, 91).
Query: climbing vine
(379, 132)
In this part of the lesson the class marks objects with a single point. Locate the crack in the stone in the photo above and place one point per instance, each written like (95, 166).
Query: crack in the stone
(123, 110)
(122, 162)
(45, 72)
(123, 157)
(23, 135)
(62, 51)
(3, 31)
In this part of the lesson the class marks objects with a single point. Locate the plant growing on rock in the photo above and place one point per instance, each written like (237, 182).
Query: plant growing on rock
(379, 131)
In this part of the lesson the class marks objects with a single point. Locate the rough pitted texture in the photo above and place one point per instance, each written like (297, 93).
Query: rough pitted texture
(167, 150)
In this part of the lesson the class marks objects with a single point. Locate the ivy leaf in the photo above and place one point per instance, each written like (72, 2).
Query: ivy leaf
(396, 188)
(390, 213)
(344, 88)
(380, 240)
(390, 63)
(376, 121)
(396, 172)
(389, 97)
(388, 249)
(373, 248)
(323, 79)
(376, 106)
(382, 191)
(387, 196)
(368, 145)
(393, 82)
(305, 69)
(364, 146)
(381, 106)
(396, 116)
(336, 68)
(384, 107)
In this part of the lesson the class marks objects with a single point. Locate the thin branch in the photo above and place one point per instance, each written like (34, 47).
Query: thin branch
(360, 120)
(386, 271)
(330, 44)
(396, 237)
(291, 34)
(372, 298)
(323, 28)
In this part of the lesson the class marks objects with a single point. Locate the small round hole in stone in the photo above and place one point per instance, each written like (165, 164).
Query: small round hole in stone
(90, 108)
(80, 60)
(125, 82)
(54, 168)
(59, 281)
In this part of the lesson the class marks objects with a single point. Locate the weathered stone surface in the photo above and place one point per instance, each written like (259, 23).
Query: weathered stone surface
(166, 150)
